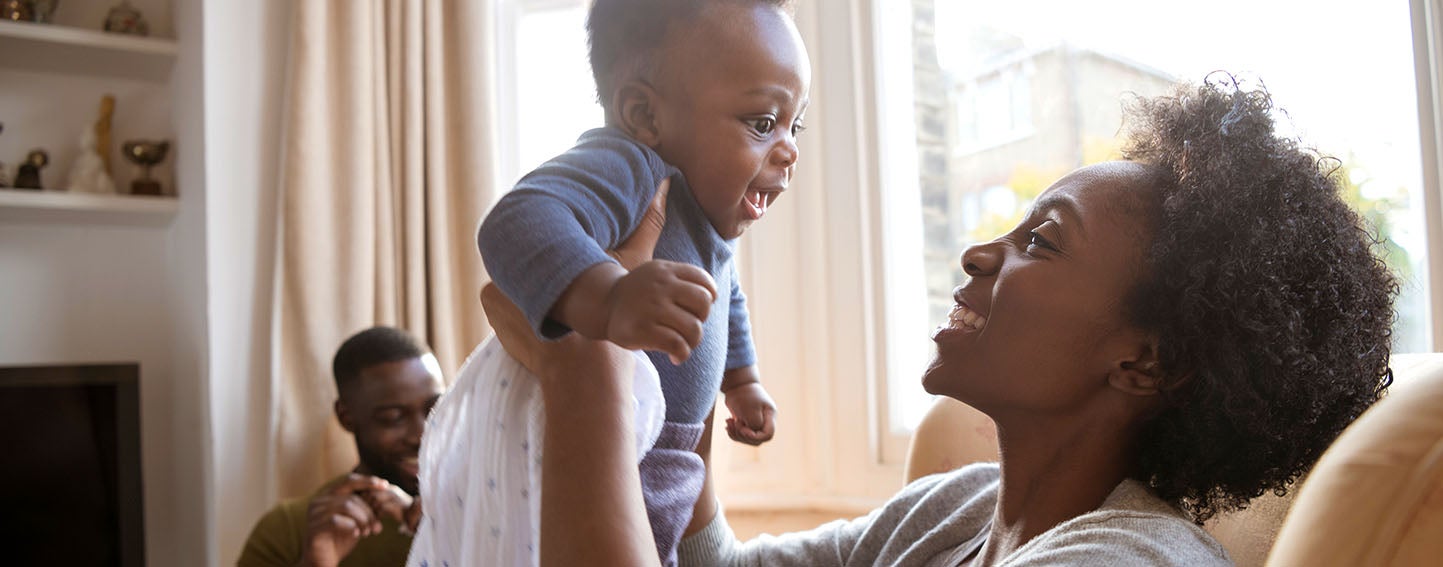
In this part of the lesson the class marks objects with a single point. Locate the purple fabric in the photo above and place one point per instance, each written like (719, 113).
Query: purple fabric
(671, 479)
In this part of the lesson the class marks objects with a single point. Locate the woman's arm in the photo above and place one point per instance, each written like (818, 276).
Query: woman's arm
(591, 507)
(592, 512)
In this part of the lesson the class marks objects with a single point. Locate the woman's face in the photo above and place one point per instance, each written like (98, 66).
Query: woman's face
(1040, 324)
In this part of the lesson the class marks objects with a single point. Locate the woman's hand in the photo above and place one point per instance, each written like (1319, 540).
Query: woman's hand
(542, 359)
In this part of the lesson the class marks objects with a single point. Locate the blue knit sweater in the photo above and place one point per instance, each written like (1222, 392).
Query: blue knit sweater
(561, 218)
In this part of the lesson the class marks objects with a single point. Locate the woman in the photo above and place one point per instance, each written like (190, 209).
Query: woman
(1161, 339)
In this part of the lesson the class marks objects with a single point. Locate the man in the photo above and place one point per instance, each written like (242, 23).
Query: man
(387, 383)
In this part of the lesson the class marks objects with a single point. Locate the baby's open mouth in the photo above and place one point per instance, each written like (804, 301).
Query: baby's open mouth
(757, 201)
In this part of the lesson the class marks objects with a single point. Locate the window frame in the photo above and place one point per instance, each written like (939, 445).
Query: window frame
(833, 243)
(815, 271)
(1427, 16)
(508, 16)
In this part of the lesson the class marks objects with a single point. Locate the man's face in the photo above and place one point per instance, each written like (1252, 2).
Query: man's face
(386, 408)
(733, 93)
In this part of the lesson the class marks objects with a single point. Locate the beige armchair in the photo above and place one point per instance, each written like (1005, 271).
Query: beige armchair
(1375, 498)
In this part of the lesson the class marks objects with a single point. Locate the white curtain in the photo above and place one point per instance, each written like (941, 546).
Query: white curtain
(386, 170)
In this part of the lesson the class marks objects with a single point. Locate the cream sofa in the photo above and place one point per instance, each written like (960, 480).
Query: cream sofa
(1375, 497)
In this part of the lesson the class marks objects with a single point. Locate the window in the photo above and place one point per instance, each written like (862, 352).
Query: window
(546, 94)
(993, 108)
(1033, 89)
(962, 111)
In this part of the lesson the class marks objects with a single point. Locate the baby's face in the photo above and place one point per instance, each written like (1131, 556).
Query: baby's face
(733, 91)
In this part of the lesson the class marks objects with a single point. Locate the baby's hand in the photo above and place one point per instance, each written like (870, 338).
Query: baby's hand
(661, 306)
(753, 419)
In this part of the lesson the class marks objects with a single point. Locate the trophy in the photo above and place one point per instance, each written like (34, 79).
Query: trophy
(145, 154)
(124, 18)
(29, 175)
(17, 10)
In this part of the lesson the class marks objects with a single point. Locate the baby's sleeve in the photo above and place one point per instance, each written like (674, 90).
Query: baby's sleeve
(741, 352)
(561, 218)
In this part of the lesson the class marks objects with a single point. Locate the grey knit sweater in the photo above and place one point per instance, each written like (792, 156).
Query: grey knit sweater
(938, 519)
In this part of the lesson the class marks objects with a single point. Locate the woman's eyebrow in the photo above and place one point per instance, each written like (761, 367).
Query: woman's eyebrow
(1058, 202)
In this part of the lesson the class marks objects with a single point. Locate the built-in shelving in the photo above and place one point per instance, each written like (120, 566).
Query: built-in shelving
(54, 48)
(62, 207)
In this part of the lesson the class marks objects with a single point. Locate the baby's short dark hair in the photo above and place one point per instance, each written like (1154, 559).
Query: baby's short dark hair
(624, 33)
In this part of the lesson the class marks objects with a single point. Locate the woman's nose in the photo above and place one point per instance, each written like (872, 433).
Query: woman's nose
(981, 259)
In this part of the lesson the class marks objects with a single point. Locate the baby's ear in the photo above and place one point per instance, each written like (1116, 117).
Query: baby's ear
(635, 106)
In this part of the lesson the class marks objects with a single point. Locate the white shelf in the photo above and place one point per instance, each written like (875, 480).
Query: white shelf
(83, 208)
(65, 49)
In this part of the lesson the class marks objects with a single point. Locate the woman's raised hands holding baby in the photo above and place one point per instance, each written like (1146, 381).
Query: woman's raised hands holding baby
(655, 305)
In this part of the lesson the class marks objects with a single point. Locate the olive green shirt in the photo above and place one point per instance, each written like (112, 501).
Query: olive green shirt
(279, 536)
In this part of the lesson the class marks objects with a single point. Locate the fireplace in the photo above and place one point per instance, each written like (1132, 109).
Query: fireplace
(70, 436)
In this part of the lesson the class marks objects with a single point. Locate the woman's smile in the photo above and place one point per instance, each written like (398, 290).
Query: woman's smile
(961, 319)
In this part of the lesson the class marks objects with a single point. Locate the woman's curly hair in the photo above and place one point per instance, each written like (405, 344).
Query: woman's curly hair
(1272, 312)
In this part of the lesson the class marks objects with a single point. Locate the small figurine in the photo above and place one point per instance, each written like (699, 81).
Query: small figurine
(124, 18)
(145, 154)
(43, 11)
(88, 173)
(29, 175)
(102, 131)
(16, 10)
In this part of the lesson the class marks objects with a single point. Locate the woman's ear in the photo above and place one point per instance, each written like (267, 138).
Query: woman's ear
(1139, 374)
(635, 106)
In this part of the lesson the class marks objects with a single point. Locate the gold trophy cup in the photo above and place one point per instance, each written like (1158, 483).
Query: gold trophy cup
(146, 154)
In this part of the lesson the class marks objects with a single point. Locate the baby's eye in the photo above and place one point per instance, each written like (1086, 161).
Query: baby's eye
(798, 128)
(762, 125)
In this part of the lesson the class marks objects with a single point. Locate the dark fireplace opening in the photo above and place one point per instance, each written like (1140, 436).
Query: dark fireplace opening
(71, 480)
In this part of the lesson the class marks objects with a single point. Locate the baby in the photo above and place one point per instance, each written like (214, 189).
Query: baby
(708, 94)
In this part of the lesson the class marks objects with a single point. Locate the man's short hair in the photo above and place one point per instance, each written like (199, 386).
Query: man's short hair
(376, 345)
(628, 32)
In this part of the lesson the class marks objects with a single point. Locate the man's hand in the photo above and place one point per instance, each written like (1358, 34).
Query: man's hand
(394, 502)
(753, 419)
(338, 518)
(660, 305)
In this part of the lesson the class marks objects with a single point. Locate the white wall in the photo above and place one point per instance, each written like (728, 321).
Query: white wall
(93, 292)
(190, 538)
(74, 294)
(245, 71)
(88, 293)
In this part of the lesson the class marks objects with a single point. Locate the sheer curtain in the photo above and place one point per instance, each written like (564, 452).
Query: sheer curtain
(386, 169)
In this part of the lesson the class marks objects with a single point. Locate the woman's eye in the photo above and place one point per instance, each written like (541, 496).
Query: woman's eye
(763, 125)
(1036, 239)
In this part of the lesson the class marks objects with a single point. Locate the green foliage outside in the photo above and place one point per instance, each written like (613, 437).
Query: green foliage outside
(1377, 211)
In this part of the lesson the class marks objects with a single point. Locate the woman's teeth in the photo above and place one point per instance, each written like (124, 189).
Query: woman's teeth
(963, 318)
